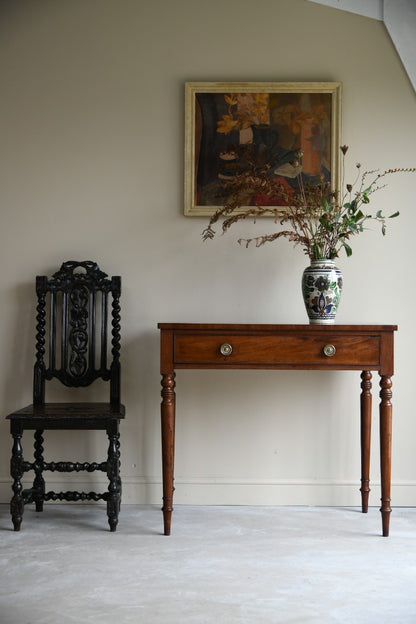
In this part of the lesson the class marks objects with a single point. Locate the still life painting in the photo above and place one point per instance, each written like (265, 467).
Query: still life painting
(235, 127)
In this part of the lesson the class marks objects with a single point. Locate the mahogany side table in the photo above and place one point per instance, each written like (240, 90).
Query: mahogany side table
(290, 347)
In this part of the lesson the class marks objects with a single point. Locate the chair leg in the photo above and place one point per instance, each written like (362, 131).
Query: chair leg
(16, 471)
(113, 470)
(39, 482)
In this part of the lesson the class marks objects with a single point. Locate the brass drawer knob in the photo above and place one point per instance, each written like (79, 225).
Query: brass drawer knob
(329, 350)
(226, 349)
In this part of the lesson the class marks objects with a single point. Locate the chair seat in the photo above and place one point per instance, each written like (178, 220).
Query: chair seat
(67, 415)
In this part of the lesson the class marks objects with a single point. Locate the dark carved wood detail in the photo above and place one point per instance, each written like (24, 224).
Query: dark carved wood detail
(75, 466)
(115, 366)
(39, 372)
(16, 471)
(77, 341)
(92, 275)
(38, 467)
(75, 496)
(114, 487)
(78, 333)
(74, 309)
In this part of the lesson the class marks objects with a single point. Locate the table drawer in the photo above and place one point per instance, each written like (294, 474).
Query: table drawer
(239, 350)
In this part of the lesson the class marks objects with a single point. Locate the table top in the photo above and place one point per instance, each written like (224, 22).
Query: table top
(275, 328)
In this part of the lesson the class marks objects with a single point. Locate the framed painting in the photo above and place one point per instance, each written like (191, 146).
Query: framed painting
(292, 128)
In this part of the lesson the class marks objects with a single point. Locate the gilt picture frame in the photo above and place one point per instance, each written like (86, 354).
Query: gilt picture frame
(278, 120)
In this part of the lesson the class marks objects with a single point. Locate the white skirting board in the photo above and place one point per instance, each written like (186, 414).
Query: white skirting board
(237, 492)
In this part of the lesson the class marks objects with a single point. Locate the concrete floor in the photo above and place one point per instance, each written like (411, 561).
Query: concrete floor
(221, 565)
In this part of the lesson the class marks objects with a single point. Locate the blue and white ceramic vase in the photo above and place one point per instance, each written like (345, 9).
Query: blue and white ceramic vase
(321, 289)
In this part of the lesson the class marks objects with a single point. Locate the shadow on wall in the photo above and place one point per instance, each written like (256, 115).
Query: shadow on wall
(17, 383)
(141, 393)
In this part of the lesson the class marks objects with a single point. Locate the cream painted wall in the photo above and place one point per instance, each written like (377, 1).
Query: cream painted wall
(92, 168)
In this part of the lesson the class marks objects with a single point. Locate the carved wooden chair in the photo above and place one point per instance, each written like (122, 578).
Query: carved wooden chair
(77, 342)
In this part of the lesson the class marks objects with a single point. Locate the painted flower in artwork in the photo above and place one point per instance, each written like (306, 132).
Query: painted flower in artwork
(227, 124)
(244, 110)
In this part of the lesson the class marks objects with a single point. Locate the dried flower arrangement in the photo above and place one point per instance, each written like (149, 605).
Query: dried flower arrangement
(319, 219)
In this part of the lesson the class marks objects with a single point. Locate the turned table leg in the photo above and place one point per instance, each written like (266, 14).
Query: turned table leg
(385, 450)
(366, 402)
(168, 446)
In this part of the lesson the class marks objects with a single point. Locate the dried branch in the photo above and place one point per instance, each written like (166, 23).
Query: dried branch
(321, 220)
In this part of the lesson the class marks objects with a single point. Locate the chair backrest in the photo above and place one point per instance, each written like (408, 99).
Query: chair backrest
(78, 329)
